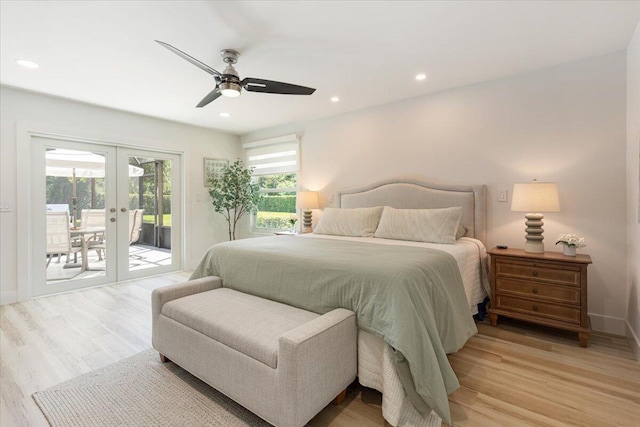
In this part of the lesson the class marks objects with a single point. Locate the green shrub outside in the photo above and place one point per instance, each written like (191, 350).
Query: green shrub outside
(275, 223)
(273, 220)
(277, 204)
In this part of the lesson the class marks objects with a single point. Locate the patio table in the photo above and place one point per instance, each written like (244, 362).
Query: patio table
(83, 233)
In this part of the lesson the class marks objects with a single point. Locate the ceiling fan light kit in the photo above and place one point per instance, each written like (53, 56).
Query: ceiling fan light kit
(229, 84)
(232, 90)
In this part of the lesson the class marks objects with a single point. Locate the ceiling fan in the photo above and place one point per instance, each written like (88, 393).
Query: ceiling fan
(228, 82)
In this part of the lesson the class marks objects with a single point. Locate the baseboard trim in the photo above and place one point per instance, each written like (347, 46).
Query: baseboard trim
(634, 341)
(8, 297)
(610, 325)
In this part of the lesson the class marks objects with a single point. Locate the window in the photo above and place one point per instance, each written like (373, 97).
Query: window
(275, 163)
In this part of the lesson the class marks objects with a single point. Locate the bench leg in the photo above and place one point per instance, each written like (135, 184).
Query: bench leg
(340, 398)
(163, 358)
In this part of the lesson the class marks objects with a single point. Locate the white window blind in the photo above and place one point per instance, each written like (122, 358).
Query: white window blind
(273, 156)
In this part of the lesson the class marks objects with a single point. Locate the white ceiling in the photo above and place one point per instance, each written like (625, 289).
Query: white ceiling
(367, 53)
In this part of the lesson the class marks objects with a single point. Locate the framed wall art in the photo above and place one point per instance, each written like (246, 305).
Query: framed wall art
(213, 167)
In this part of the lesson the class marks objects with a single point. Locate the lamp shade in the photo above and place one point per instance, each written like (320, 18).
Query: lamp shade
(307, 200)
(535, 197)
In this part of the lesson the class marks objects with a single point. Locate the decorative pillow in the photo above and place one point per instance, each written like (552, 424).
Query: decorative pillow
(358, 222)
(420, 225)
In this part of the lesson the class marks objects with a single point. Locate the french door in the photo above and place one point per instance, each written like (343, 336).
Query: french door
(151, 205)
(102, 214)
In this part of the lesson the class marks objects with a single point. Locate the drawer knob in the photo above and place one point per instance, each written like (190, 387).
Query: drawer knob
(534, 290)
(535, 273)
(535, 308)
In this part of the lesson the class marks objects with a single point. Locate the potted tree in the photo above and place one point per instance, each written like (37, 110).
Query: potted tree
(233, 194)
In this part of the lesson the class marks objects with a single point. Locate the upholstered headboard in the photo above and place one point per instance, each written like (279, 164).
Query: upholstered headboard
(414, 193)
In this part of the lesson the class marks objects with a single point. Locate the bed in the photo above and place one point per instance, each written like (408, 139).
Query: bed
(380, 365)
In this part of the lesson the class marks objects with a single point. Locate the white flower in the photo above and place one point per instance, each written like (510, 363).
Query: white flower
(571, 240)
(293, 217)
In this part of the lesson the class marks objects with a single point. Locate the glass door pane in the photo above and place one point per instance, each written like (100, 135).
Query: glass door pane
(74, 184)
(152, 243)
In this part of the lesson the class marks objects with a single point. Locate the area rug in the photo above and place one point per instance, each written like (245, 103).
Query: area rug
(141, 391)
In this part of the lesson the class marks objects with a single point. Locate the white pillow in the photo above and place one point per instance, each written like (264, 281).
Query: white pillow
(420, 225)
(358, 222)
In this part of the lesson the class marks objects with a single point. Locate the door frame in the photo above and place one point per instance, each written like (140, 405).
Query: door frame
(24, 188)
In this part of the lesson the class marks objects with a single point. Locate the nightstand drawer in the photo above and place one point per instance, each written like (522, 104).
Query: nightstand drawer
(531, 271)
(533, 289)
(540, 309)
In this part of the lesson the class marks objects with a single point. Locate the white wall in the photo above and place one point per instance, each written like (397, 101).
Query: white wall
(564, 124)
(203, 227)
(633, 202)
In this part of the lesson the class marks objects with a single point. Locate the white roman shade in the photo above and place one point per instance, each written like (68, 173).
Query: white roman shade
(273, 156)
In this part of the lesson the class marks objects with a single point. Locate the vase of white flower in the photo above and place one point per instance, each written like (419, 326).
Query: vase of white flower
(571, 242)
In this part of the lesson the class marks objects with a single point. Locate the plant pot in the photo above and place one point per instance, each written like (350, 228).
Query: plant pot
(569, 250)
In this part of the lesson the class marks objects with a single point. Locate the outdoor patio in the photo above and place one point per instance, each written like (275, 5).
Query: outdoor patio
(140, 257)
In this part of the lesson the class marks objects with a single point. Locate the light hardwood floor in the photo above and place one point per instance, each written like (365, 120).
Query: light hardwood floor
(513, 375)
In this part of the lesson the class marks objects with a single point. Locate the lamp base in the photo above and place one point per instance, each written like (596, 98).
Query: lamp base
(534, 247)
(306, 221)
(534, 235)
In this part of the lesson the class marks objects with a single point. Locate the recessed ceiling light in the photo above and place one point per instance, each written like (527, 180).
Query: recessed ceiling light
(421, 76)
(27, 64)
(225, 115)
(335, 99)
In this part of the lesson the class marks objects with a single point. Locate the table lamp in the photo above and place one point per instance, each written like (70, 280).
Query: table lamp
(535, 197)
(307, 200)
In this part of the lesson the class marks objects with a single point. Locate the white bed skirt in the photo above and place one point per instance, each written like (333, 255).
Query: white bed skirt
(376, 370)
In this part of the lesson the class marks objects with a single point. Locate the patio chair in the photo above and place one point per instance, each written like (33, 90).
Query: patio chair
(59, 238)
(94, 218)
(135, 225)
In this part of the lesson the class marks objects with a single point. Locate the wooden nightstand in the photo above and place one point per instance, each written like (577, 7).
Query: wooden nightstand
(549, 289)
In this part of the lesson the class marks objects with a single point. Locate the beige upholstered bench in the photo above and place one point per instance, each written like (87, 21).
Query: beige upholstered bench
(282, 363)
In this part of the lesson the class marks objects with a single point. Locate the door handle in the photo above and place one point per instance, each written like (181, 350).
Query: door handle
(112, 210)
(123, 210)
(112, 219)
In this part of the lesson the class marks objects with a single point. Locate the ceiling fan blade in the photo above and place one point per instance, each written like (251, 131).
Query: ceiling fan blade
(212, 96)
(191, 59)
(269, 86)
